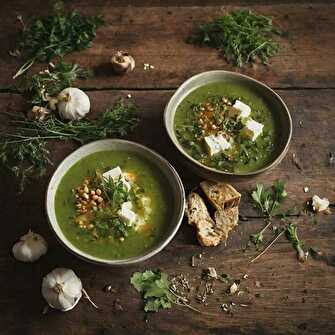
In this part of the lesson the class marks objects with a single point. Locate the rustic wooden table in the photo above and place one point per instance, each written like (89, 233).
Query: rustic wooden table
(291, 297)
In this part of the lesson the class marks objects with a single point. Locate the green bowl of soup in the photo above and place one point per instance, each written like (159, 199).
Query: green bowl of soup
(115, 202)
(227, 125)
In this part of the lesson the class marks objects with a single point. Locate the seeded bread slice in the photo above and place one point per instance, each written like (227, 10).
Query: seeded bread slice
(221, 195)
(199, 217)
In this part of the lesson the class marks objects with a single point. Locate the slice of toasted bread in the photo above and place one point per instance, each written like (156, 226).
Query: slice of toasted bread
(225, 221)
(221, 195)
(198, 216)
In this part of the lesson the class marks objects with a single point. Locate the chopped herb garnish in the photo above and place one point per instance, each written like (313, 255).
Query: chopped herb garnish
(242, 36)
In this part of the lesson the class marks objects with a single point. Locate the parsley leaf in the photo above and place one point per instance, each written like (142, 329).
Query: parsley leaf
(155, 288)
(268, 200)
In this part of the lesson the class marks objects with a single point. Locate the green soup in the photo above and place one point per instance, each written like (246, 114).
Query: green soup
(148, 178)
(244, 154)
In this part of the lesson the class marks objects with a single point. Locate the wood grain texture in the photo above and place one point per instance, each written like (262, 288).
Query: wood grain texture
(294, 298)
(156, 35)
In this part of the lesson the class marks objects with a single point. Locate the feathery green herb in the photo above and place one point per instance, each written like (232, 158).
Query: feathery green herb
(39, 87)
(56, 35)
(242, 36)
(156, 290)
(24, 150)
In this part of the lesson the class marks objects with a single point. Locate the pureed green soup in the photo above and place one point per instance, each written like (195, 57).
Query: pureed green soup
(219, 135)
(126, 215)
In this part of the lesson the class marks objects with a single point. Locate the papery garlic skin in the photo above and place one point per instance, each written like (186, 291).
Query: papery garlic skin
(30, 247)
(73, 104)
(62, 289)
(318, 204)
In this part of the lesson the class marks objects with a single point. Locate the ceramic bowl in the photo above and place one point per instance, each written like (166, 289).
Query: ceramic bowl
(176, 190)
(274, 101)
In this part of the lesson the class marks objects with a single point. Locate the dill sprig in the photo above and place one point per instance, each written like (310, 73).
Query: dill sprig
(242, 36)
(56, 35)
(24, 150)
(39, 87)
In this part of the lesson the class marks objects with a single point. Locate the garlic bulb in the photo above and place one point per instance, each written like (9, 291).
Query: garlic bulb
(30, 247)
(73, 103)
(62, 289)
(122, 62)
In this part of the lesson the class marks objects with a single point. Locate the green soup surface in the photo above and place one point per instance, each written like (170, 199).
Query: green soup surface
(148, 178)
(208, 110)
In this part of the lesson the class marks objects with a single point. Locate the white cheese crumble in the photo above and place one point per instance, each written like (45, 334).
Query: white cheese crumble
(117, 174)
(126, 213)
(253, 129)
(244, 109)
(319, 204)
(216, 144)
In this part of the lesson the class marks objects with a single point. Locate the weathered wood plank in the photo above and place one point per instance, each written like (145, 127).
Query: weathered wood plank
(294, 298)
(156, 35)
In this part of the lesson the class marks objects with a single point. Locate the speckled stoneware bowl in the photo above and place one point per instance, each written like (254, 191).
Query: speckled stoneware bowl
(274, 101)
(176, 191)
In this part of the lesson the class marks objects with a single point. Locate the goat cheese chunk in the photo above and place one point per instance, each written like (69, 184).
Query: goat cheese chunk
(126, 214)
(319, 204)
(252, 129)
(216, 144)
(244, 109)
(117, 174)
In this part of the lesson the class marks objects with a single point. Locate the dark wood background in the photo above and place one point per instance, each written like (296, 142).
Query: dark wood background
(292, 298)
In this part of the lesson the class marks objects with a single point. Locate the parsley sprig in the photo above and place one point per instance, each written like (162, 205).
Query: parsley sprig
(267, 201)
(156, 290)
(242, 36)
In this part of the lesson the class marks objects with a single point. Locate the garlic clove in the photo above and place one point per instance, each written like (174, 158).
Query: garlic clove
(30, 247)
(73, 103)
(122, 62)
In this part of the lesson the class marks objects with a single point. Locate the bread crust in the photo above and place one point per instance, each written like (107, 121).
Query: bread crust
(221, 195)
(213, 232)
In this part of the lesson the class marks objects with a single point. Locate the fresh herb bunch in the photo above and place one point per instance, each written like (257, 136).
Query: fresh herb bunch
(292, 236)
(243, 36)
(56, 35)
(157, 292)
(39, 87)
(24, 150)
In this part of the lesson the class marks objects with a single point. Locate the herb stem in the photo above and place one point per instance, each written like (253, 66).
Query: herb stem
(268, 246)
